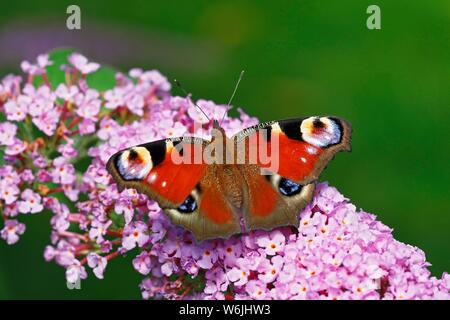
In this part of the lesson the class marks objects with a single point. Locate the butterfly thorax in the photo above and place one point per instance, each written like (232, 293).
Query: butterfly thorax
(223, 153)
(221, 149)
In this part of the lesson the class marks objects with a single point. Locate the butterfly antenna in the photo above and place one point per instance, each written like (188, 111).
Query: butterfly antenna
(232, 95)
(184, 91)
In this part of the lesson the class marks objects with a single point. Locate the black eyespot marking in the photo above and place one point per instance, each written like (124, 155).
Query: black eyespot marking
(157, 151)
(188, 206)
(133, 155)
(117, 164)
(198, 188)
(291, 128)
(318, 124)
(288, 187)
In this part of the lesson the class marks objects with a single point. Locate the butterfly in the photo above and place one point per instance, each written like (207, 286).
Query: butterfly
(260, 178)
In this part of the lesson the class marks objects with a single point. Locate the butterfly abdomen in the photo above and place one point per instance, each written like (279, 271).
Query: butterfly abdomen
(230, 178)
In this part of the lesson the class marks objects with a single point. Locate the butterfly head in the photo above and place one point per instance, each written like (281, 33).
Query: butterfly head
(216, 125)
(217, 131)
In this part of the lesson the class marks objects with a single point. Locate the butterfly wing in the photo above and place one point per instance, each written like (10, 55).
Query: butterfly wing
(291, 154)
(297, 149)
(265, 207)
(173, 173)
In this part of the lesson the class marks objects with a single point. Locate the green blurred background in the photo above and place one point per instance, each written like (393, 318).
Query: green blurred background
(301, 58)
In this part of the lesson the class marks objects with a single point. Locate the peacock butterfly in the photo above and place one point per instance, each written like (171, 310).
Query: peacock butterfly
(259, 178)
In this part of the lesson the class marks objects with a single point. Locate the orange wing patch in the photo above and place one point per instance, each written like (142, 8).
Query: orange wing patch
(214, 207)
(263, 197)
(173, 180)
(297, 159)
(290, 158)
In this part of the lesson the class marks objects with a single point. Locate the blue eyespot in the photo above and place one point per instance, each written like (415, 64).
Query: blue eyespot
(188, 206)
(288, 187)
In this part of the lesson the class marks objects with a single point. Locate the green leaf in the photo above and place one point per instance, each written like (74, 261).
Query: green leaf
(103, 79)
(2, 156)
(117, 219)
(59, 57)
(2, 149)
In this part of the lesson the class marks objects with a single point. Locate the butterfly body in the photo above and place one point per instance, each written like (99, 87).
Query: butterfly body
(258, 179)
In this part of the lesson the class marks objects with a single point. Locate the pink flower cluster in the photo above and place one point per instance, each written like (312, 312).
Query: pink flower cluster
(336, 253)
(56, 142)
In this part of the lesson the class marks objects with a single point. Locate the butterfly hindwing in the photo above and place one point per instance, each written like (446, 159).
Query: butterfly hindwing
(214, 215)
(265, 207)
